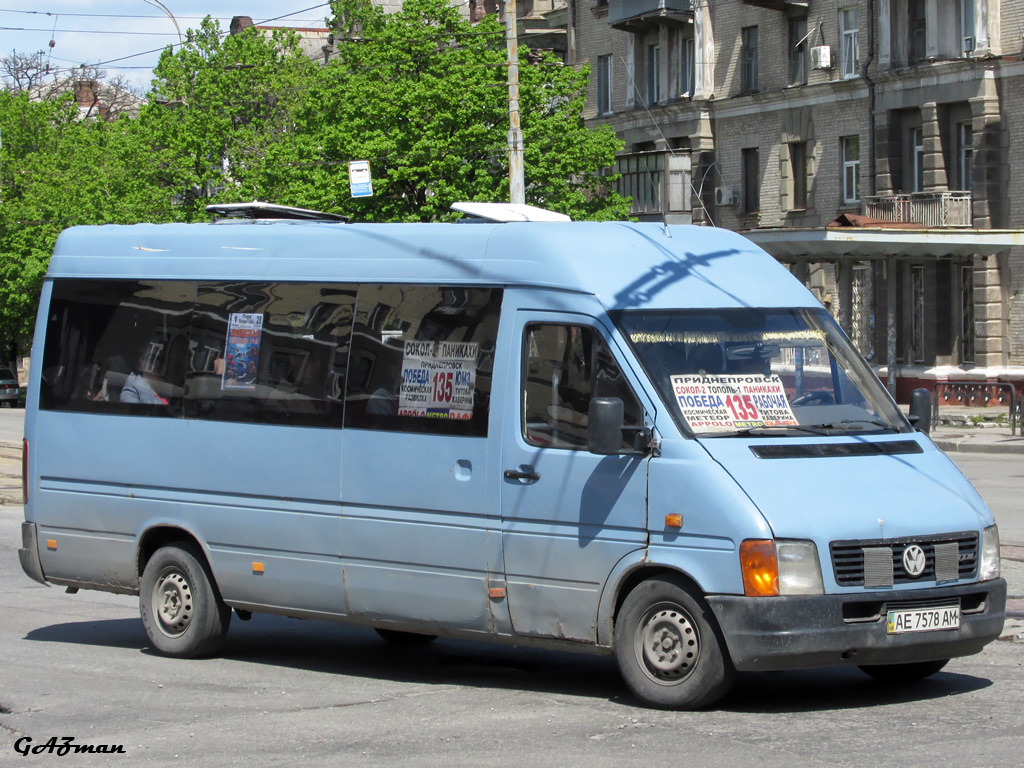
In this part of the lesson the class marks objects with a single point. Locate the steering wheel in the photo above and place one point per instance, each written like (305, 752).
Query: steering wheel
(818, 397)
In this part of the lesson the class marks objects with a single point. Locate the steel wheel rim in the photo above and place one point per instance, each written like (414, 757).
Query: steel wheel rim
(173, 605)
(667, 644)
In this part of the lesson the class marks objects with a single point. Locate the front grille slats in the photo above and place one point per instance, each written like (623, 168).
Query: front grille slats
(879, 562)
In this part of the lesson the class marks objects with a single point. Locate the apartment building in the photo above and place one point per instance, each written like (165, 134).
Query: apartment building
(868, 144)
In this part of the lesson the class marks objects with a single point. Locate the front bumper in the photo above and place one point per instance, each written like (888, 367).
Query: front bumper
(771, 633)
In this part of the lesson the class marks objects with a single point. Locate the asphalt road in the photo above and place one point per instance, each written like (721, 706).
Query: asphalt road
(293, 693)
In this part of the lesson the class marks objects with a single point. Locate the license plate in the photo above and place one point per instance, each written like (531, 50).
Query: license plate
(923, 619)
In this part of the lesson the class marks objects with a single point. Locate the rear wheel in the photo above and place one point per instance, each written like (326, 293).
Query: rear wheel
(903, 673)
(668, 647)
(397, 637)
(181, 609)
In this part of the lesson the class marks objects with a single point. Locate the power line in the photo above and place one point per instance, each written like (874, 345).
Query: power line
(126, 15)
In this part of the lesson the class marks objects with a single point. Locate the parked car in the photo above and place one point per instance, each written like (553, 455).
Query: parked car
(9, 388)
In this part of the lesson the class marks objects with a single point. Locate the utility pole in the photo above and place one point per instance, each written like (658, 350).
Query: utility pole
(516, 183)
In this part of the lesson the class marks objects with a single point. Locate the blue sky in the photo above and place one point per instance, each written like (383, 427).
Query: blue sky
(113, 32)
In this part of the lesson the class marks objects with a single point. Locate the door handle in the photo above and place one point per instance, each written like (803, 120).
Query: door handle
(515, 474)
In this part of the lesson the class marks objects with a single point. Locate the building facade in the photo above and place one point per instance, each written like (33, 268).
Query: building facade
(868, 144)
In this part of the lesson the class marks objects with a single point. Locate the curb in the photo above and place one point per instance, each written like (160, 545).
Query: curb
(966, 445)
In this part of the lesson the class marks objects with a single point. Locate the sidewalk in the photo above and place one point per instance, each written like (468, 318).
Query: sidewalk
(976, 430)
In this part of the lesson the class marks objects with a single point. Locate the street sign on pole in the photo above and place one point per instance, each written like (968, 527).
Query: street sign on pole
(359, 181)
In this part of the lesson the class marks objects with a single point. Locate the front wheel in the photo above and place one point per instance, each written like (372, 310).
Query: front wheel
(903, 673)
(668, 647)
(181, 609)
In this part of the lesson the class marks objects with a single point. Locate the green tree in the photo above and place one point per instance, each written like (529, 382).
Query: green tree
(422, 95)
(218, 104)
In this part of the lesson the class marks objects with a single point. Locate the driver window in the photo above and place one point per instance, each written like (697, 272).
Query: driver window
(565, 366)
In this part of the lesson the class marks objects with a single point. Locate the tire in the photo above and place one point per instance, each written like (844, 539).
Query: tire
(903, 673)
(669, 649)
(182, 611)
(397, 637)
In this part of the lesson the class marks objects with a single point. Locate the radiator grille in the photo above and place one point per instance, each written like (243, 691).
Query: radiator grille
(879, 562)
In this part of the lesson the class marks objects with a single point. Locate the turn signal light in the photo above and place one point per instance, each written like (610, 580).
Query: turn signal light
(760, 568)
(257, 567)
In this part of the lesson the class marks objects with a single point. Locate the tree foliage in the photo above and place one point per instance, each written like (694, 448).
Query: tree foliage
(421, 94)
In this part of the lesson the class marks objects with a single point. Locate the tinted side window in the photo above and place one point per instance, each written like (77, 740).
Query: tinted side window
(270, 352)
(422, 358)
(117, 346)
(564, 367)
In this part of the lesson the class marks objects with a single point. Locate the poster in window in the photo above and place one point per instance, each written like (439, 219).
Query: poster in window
(730, 403)
(242, 350)
(438, 379)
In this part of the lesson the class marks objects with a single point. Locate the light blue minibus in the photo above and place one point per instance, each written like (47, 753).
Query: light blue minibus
(626, 438)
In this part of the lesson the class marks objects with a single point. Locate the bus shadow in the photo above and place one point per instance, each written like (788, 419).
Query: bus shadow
(335, 649)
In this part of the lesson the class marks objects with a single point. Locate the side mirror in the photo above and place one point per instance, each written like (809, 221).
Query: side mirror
(605, 418)
(921, 410)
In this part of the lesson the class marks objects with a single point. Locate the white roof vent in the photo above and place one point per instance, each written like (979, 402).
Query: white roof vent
(506, 212)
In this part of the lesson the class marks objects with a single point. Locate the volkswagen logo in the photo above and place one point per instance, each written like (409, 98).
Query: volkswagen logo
(913, 560)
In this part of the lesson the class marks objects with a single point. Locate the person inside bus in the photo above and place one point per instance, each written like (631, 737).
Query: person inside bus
(138, 387)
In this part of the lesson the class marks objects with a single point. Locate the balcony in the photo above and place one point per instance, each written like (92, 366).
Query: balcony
(795, 7)
(643, 15)
(930, 209)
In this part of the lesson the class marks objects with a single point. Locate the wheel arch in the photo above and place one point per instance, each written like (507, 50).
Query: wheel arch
(623, 580)
(162, 535)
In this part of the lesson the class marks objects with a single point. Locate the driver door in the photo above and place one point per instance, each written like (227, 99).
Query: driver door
(568, 516)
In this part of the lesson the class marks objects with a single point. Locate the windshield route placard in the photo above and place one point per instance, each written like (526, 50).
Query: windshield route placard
(732, 403)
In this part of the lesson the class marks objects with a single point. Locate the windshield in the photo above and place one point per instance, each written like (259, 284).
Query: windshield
(759, 371)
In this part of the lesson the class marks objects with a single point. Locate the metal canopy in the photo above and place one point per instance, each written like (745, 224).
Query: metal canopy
(862, 243)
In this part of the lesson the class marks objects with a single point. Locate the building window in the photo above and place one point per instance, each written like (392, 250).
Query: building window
(640, 178)
(968, 39)
(917, 159)
(965, 156)
(917, 29)
(653, 74)
(798, 170)
(917, 313)
(849, 48)
(967, 314)
(688, 64)
(851, 169)
(748, 59)
(751, 181)
(798, 51)
(604, 85)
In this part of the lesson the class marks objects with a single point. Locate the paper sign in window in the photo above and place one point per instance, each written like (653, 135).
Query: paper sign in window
(731, 403)
(242, 350)
(438, 379)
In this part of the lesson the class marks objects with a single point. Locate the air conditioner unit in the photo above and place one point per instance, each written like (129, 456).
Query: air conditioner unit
(725, 196)
(968, 45)
(821, 57)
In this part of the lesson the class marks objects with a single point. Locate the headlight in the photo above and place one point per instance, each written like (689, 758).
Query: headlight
(799, 571)
(989, 554)
(780, 567)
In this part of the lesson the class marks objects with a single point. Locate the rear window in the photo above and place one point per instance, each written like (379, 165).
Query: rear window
(7, 373)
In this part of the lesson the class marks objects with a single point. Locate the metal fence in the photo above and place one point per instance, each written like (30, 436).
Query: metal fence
(932, 209)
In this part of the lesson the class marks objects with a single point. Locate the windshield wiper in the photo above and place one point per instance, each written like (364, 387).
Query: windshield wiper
(814, 430)
(849, 425)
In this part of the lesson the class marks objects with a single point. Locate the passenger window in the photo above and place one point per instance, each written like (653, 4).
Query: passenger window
(272, 353)
(565, 366)
(117, 346)
(422, 359)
